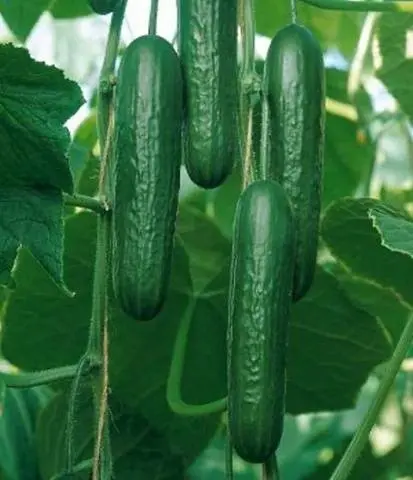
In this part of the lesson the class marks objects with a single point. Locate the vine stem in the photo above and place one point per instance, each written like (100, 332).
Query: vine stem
(97, 342)
(270, 469)
(173, 386)
(153, 17)
(363, 5)
(42, 377)
(248, 85)
(229, 461)
(293, 8)
(356, 67)
(265, 130)
(83, 201)
(361, 436)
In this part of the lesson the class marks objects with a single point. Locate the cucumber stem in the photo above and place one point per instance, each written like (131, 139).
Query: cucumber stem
(153, 17)
(84, 201)
(173, 386)
(229, 464)
(248, 86)
(363, 5)
(361, 436)
(270, 469)
(293, 8)
(265, 130)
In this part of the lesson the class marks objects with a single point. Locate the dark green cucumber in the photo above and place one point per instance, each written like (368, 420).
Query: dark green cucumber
(295, 76)
(103, 7)
(260, 297)
(208, 48)
(146, 163)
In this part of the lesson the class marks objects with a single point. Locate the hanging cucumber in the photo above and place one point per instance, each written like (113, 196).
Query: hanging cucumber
(259, 309)
(208, 48)
(103, 7)
(295, 86)
(147, 157)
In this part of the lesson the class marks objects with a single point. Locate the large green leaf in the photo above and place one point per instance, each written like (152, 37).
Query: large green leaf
(18, 416)
(36, 100)
(38, 318)
(342, 343)
(346, 162)
(373, 241)
(33, 219)
(22, 15)
(70, 8)
(333, 348)
(380, 302)
(139, 450)
(206, 247)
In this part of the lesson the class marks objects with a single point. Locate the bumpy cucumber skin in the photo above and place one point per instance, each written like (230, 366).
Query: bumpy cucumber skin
(103, 7)
(208, 48)
(260, 297)
(146, 164)
(296, 96)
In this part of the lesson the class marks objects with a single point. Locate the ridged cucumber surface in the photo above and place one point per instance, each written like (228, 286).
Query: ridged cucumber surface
(296, 97)
(208, 48)
(260, 297)
(146, 163)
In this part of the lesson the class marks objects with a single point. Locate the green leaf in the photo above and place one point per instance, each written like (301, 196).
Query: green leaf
(331, 28)
(333, 348)
(18, 417)
(346, 162)
(396, 229)
(36, 318)
(83, 163)
(139, 450)
(352, 230)
(204, 243)
(22, 15)
(36, 100)
(63, 9)
(32, 218)
(378, 301)
(396, 70)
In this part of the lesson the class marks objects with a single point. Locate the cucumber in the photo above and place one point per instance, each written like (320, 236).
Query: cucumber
(208, 49)
(260, 297)
(146, 164)
(103, 7)
(296, 98)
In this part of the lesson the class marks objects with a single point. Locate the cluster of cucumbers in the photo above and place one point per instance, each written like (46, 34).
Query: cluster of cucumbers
(171, 107)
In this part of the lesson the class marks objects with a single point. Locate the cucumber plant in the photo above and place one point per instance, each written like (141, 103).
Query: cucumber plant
(157, 110)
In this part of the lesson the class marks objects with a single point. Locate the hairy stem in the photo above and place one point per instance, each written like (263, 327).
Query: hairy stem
(83, 201)
(97, 341)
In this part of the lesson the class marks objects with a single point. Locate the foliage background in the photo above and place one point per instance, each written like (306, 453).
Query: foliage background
(341, 333)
